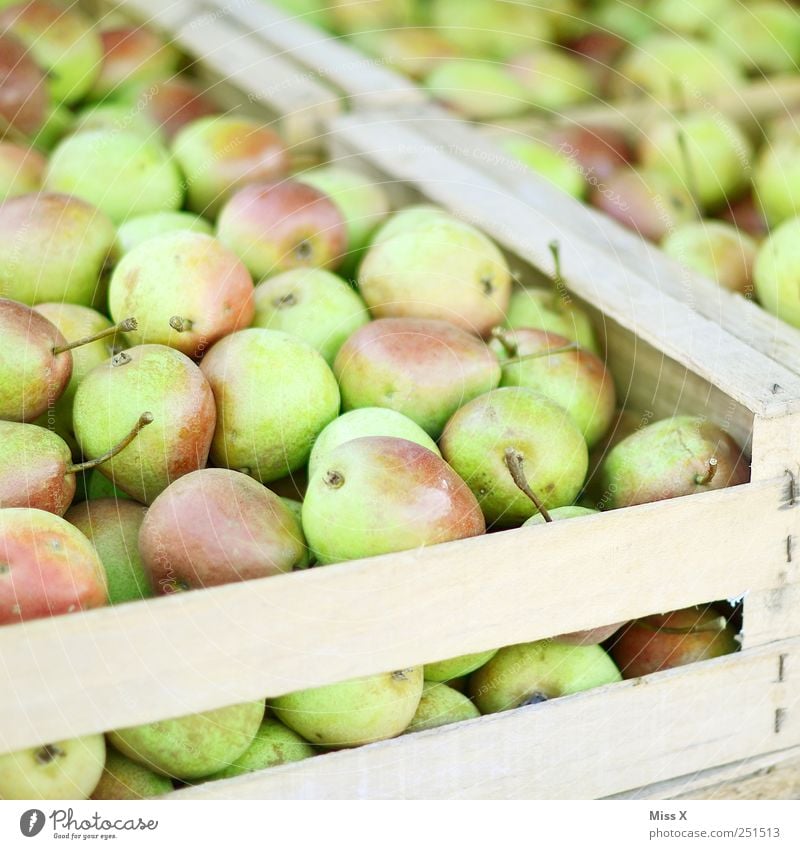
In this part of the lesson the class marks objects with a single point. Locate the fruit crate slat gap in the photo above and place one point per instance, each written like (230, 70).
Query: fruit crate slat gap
(615, 742)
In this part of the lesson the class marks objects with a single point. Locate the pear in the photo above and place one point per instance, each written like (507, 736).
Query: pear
(443, 269)
(170, 386)
(777, 272)
(63, 42)
(219, 154)
(422, 368)
(192, 746)
(629, 21)
(123, 778)
(776, 176)
(98, 486)
(669, 458)
(210, 293)
(624, 424)
(762, 35)
(48, 567)
(273, 227)
(520, 425)
(457, 667)
(534, 672)
(551, 78)
(479, 90)
(53, 249)
(24, 105)
(274, 394)
(273, 745)
(573, 378)
(691, 17)
(379, 494)
(21, 170)
(353, 713)
(113, 529)
(134, 231)
(717, 250)
(410, 219)
(295, 507)
(596, 151)
(351, 16)
(547, 309)
(362, 202)
(664, 641)
(560, 170)
(58, 121)
(413, 51)
(122, 172)
(366, 421)
(704, 153)
(216, 526)
(313, 304)
(441, 705)
(69, 769)
(174, 104)
(113, 115)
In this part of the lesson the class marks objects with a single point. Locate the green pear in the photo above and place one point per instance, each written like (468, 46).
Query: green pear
(552, 79)
(58, 121)
(21, 170)
(478, 90)
(295, 507)
(63, 41)
(210, 292)
(533, 672)
(274, 395)
(442, 270)
(691, 17)
(273, 745)
(366, 421)
(53, 248)
(163, 382)
(705, 153)
(313, 304)
(362, 202)
(515, 425)
(113, 115)
(575, 379)
(629, 21)
(25, 103)
(762, 35)
(123, 778)
(69, 769)
(441, 705)
(423, 368)
(457, 667)
(669, 458)
(717, 250)
(219, 154)
(192, 746)
(776, 272)
(373, 496)
(122, 172)
(554, 166)
(113, 529)
(548, 309)
(353, 713)
(99, 486)
(776, 178)
(137, 230)
(412, 218)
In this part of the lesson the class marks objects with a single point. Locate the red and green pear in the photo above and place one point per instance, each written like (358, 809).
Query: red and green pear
(112, 526)
(172, 388)
(123, 778)
(515, 426)
(174, 104)
(277, 226)
(313, 304)
(441, 705)
(210, 292)
(667, 640)
(48, 567)
(53, 248)
(746, 217)
(21, 170)
(423, 368)
(222, 153)
(529, 673)
(457, 667)
(410, 219)
(134, 231)
(217, 526)
(379, 494)
(24, 100)
(597, 150)
(274, 394)
(353, 713)
(679, 456)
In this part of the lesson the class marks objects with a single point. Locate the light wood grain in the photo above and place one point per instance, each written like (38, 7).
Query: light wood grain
(590, 745)
(134, 663)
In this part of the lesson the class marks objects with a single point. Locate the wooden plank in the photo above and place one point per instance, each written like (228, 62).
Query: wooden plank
(365, 82)
(134, 663)
(585, 746)
(396, 148)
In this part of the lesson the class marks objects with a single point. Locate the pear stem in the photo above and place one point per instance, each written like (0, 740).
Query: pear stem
(144, 420)
(705, 480)
(573, 346)
(180, 324)
(504, 338)
(558, 280)
(122, 327)
(514, 461)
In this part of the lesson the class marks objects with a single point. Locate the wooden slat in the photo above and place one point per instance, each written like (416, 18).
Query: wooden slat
(586, 746)
(395, 147)
(135, 663)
